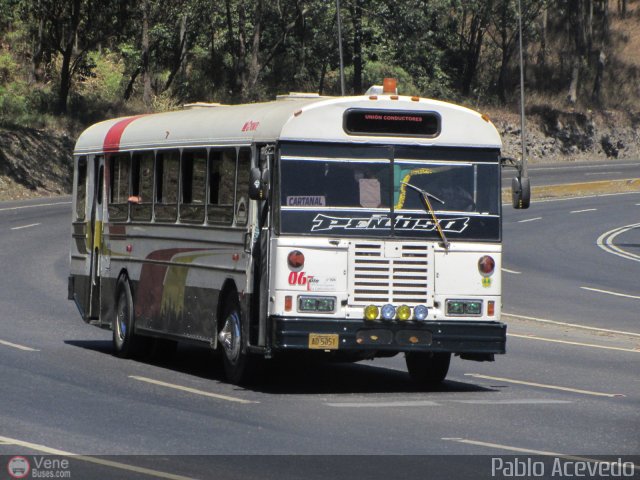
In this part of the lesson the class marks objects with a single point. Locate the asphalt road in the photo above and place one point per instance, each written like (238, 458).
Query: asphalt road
(560, 390)
(553, 174)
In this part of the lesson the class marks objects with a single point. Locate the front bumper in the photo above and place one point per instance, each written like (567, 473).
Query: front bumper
(457, 336)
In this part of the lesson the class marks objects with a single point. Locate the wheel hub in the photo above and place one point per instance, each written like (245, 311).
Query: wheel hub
(229, 337)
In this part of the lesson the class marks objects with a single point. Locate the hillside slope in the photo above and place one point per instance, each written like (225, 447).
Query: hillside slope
(34, 163)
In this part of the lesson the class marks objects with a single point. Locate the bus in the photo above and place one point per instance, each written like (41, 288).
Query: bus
(343, 227)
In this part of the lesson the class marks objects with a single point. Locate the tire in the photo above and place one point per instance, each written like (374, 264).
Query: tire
(240, 367)
(126, 344)
(428, 369)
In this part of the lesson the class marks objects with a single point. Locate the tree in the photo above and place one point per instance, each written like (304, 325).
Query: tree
(71, 29)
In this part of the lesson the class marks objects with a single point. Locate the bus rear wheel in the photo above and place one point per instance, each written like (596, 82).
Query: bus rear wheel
(240, 367)
(126, 343)
(428, 369)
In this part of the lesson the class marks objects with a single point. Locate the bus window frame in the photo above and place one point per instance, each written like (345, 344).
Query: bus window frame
(181, 202)
(113, 160)
(81, 204)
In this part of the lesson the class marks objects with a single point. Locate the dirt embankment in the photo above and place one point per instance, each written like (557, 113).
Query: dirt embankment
(36, 163)
(569, 136)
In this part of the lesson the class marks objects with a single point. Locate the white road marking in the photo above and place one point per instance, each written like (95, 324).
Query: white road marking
(585, 210)
(567, 199)
(544, 385)
(191, 390)
(511, 448)
(530, 220)
(511, 271)
(605, 242)
(577, 344)
(573, 168)
(524, 401)
(34, 206)
(574, 325)
(407, 403)
(26, 226)
(615, 294)
(19, 347)
(601, 173)
(89, 459)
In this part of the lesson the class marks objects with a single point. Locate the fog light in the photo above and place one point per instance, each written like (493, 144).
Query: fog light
(420, 312)
(404, 312)
(371, 312)
(388, 312)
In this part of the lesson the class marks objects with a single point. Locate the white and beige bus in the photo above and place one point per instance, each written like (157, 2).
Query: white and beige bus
(349, 227)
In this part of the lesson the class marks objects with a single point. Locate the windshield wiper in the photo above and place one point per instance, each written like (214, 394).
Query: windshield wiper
(424, 195)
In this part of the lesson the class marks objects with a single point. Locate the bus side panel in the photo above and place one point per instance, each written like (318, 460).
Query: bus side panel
(176, 281)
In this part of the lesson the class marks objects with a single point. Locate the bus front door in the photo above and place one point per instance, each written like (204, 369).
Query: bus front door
(95, 205)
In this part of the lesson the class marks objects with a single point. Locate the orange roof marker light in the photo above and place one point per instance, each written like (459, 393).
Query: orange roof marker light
(390, 85)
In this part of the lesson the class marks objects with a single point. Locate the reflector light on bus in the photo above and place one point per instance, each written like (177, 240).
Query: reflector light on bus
(388, 312)
(404, 312)
(371, 312)
(295, 259)
(486, 266)
(491, 308)
(389, 85)
(420, 312)
(288, 303)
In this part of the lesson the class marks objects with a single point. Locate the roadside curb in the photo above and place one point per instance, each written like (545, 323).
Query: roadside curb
(579, 189)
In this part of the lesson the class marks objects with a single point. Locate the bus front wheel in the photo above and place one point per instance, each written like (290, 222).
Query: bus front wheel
(126, 343)
(240, 367)
(428, 369)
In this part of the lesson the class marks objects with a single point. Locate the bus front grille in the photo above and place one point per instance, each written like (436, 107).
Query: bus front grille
(390, 272)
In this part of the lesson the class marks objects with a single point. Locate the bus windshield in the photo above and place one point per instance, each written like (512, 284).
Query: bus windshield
(361, 191)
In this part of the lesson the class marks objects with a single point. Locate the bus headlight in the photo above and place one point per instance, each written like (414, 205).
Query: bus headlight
(371, 312)
(388, 312)
(420, 312)
(404, 312)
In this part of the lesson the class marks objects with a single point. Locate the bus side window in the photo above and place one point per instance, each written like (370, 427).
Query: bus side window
(222, 169)
(119, 187)
(142, 186)
(242, 186)
(81, 189)
(194, 173)
(167, 176)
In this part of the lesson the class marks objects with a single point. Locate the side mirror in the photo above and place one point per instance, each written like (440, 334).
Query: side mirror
(520, 192)
(258, 184)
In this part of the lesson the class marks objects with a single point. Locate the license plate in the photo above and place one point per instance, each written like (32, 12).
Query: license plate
(323, 341)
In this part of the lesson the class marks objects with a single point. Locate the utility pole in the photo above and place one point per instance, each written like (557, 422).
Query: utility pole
(523, 136)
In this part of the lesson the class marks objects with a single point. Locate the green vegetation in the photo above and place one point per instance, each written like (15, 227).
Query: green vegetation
(80, 61)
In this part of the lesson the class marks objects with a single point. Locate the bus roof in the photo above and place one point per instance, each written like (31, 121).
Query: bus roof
(295, 117)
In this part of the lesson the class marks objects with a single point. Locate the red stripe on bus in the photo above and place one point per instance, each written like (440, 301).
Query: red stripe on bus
(112, 139)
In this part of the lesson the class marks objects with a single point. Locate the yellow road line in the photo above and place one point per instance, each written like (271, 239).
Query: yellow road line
(90, 459)
(546, 453)
(578, 344)
(574, 325)
(543, 385)
(18, 346)
(191, 390)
